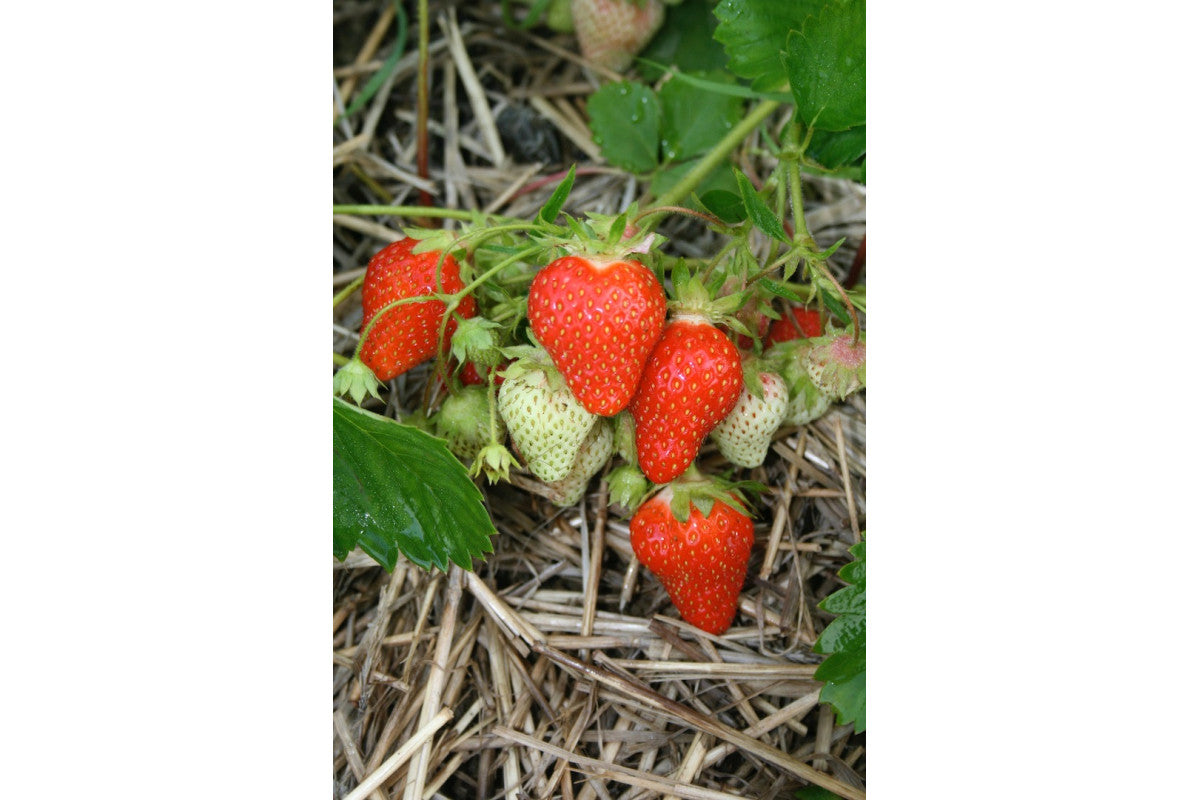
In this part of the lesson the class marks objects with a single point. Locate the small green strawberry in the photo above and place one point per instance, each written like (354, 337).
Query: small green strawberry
(464, 422)
(744, 436)
(593, 455)
(696, 536)
(546, 422)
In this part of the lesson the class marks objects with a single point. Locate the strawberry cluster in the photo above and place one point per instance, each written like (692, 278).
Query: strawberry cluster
(612, 365)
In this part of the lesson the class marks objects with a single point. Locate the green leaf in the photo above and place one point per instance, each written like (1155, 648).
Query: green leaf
(755, 35)
(683, 105)
(550, 211)
(726, 206)
(781, 290)
(729, 89)
(827, 67)
(845, 640)
(397, 490)
(833, 149)
(685, 40)
(849, 700)
(763, 217)
(625, 121)
(833, 302)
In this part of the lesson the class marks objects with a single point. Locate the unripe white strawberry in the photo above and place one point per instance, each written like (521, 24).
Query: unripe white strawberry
(806, 402)
(744, 436)
(612, 32)
(546, 422)
(593, 455)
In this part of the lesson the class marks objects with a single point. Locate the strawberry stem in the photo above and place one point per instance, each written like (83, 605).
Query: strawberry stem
(804, 239)
(715, 157)
(417, 211)
(709, 218)
(349, 290)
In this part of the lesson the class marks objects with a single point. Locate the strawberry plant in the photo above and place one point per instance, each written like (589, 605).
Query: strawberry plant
(845, 640)
(660, 347)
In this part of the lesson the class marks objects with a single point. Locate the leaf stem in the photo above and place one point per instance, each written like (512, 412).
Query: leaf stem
(348, 290)
(709, 218)
(795, 187)
(415, 211)
(719, 153)
(803, 237)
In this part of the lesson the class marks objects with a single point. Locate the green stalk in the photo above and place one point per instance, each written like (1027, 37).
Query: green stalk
(349, 290)
(415, 211)
(804, 238)
(682, 190)
(796, 188)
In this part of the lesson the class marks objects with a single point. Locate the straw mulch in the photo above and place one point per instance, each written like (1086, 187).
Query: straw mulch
(558, 667)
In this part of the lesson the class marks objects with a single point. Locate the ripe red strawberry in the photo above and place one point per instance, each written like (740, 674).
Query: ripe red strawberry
(598, 320)
(612, 32)
(408, 334)
(702, 561)
(797, 323)
(692, 381)
(469, 375)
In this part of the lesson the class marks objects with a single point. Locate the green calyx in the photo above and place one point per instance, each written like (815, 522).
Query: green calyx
(693, 297)
(357, 380)
(837, 364)
(752, 369)
(608, 236)
(627, 486)
(532, 358)
(475, 340)
(494, 461)
(693, 488)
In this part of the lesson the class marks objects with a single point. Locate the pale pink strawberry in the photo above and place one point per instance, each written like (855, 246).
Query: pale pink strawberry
(837, 364)
(612, 32)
